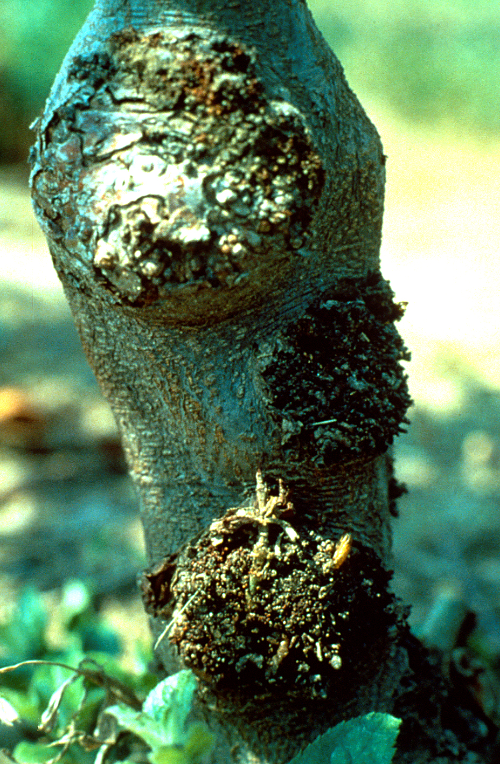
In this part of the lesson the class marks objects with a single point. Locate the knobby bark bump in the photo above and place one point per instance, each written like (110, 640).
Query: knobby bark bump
(212, 195)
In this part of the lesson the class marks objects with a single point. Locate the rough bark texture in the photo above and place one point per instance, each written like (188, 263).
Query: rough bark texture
(212, 194)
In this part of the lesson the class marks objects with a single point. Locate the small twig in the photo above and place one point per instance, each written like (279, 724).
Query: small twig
(98, 676)
(175, 617)
(40, 662)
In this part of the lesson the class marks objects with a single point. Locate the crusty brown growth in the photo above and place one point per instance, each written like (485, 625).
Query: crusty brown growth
(210, 180)
(334, 378)
(252, 606)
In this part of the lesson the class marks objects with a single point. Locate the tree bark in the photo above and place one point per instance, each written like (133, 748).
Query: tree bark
(212, 194)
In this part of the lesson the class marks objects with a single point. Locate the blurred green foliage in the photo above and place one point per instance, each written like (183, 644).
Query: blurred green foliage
(34, 37)
(41, 688)
(434, 61)
(430, 60)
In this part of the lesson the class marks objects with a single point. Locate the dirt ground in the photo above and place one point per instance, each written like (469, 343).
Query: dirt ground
(66, 506)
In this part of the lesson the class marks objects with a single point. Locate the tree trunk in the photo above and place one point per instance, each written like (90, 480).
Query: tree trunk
(212, 194)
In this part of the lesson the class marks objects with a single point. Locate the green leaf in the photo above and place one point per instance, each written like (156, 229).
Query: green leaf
(170, 754)
(154, 722)
(163, 716)
(198, 745)
(47, 682)
(199, 742)
(26, 704)
(139, 723)
(76, 598)
(162, 722)
(169, 703)
(363, 740)
(33, 753)
(80, 619)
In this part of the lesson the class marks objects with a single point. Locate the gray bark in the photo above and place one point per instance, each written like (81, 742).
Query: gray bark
(212, 194)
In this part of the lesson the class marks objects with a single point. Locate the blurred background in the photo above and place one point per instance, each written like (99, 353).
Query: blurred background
(428, 74)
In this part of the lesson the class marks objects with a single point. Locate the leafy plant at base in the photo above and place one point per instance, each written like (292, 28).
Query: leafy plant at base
(70, 705)
(162, 722)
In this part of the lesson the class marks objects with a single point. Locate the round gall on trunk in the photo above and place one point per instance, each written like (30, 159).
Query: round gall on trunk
(177, 179)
